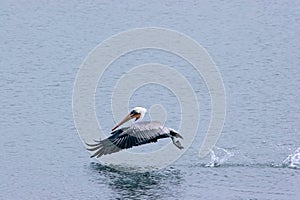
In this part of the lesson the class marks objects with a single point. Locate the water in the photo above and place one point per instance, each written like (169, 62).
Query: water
(218, 157)
(293, 160)
(255, 45)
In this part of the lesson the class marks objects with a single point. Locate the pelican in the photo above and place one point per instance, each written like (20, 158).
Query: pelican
(138, 133)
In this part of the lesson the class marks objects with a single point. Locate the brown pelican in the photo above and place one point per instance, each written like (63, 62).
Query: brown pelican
(138, 133)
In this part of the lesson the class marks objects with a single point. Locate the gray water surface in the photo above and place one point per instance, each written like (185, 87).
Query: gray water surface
(255, 45)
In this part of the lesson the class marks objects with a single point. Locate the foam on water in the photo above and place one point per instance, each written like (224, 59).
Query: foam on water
(293, 160)
(218, 156)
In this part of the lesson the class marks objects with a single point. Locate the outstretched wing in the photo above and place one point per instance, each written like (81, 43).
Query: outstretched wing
(138, 134)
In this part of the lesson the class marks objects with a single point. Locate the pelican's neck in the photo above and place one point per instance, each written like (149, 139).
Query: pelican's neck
(142, 116)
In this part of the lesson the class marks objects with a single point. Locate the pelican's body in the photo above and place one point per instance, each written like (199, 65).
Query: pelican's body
(138, 133)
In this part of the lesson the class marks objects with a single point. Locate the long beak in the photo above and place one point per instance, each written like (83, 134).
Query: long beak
(126, 119)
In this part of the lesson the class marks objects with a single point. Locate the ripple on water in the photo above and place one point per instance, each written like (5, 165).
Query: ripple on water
(293, 160)
(218, 156)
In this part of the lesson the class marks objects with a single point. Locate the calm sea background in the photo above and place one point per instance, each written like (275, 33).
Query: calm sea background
(255, 45)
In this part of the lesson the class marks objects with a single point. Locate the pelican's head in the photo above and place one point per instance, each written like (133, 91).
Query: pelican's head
(136, 113)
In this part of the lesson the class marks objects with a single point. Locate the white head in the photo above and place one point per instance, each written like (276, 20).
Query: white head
(137, 113)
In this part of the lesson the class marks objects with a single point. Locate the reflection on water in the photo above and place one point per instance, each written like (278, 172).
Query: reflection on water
(140, 185)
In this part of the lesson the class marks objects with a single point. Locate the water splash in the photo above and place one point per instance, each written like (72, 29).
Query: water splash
(218, 156)
(293, 160)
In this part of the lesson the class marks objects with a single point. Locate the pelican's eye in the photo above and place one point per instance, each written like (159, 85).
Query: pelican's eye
(133, 113)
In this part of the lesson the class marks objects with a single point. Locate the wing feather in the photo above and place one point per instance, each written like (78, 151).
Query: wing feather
(138, 134)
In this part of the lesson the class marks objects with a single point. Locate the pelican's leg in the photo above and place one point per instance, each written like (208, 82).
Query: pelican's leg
(177, 143)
